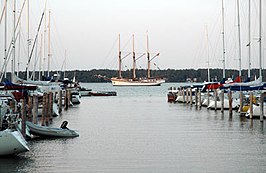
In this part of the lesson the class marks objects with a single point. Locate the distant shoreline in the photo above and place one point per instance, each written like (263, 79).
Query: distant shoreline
(171, 75)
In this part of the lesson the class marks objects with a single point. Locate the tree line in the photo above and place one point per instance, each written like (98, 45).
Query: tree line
(171, 75)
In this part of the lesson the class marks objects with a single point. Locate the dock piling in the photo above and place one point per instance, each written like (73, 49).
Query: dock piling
(215, 99)
(44, 108)
(199, 98)
(23, 117)
(261, 106)
(190, 93)
(230, 102)
(222, 101)
(60, 101)
(241, 101)
(251, 105)
(35, 109)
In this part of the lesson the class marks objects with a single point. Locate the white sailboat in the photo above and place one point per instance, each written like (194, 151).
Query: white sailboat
(257, 108)
(12, 142)
(148, 81)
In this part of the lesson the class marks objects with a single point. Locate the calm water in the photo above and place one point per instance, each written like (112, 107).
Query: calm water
(138, 131)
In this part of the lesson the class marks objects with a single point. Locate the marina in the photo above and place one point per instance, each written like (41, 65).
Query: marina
(132, 86)
(157, 137)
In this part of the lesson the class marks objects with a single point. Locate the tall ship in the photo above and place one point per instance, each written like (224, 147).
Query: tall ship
(134, 81)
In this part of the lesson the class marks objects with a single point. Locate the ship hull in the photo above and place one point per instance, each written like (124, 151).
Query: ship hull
(143, 82)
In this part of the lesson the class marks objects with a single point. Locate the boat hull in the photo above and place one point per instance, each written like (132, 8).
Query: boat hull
(130, 82)
(12, 142)
(51, 132)
(103, 93)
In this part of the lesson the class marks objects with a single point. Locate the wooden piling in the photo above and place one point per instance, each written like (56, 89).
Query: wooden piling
(30, 108)
(23, 117)
(230, 102)
(261, 106)
(251, 105)
(67, 99)
(215, 99)
(48, 109)
(183, 94)
(208, 97)
(241, 101)
(187, 95)
(51, 102)
(60, 101)
(222, 101)
(199, 98)
(190, 93)
(44, 108)
(196, 98)
(35, 109)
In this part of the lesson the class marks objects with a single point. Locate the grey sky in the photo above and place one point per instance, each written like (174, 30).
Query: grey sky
(88, 31)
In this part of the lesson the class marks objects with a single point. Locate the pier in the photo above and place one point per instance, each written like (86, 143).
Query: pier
(215, 100)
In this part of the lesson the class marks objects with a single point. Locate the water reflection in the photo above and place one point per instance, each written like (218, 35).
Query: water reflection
(16, 163)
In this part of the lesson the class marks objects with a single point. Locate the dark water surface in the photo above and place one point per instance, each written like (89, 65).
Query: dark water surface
(138, 131)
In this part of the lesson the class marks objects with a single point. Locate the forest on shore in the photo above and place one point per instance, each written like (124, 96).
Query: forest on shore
(171, 75)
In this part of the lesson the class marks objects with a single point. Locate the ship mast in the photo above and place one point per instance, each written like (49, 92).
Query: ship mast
(119, 59)
(134, 60)
(148, 57)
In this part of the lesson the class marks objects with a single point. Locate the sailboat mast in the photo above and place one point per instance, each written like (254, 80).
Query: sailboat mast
(65, 64)
(41, 57)
(223, 39)
(208, 58)
(119, 59)
(5, 59)
(249, 39)
(134, 59)
(19, 46)
(44, 38)
(148, 58)
(13, 41)
(239, 37)
(28, 37)
(49, 43)
(260, 21)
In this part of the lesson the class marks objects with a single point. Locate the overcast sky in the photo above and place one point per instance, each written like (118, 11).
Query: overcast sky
(88, 31)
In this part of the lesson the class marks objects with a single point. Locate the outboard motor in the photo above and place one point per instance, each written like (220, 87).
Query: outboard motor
(64, 125)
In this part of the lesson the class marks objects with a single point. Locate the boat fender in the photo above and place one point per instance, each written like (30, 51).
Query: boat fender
(64, 125)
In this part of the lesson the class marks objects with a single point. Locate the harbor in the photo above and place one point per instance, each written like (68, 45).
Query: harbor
(132, 86)
(156, 137)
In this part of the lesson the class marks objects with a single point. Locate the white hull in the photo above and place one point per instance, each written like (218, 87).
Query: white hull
(219, 104)
(143, 82)
(55, 110)
(12, 142)
(75, 99)
(256, 111)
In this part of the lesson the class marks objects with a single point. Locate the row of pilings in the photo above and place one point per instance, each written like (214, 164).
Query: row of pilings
(29, 105)
(186, 93)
